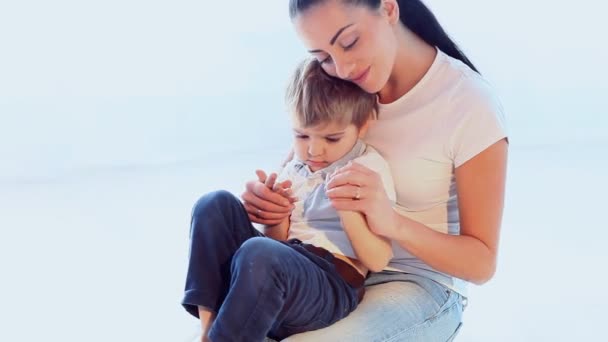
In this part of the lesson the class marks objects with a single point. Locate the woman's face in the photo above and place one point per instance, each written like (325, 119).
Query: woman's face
(352, 42)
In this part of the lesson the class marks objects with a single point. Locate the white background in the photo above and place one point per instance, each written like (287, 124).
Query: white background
(116, 115)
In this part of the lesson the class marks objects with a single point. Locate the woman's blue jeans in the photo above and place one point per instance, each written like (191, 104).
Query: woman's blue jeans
(257, 286)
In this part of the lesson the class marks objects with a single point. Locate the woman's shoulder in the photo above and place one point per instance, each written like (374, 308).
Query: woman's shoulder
(469, 89)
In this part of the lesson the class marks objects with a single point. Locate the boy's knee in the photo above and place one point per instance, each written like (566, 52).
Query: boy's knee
(262, 255)
(213, 200)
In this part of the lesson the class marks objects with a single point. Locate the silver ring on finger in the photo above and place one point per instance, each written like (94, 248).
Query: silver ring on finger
(357, 194)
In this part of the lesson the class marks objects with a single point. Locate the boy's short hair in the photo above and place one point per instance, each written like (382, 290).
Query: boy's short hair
(316, 98)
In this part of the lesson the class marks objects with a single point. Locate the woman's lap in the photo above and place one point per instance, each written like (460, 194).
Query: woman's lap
(396, 307)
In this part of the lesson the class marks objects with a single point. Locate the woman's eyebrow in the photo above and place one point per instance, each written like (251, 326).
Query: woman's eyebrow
(333, 40)
(335, 37)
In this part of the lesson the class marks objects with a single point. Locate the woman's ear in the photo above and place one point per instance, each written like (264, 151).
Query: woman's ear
(390, 8)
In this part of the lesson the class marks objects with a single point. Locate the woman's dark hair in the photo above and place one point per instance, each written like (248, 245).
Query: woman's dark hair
(413, 14)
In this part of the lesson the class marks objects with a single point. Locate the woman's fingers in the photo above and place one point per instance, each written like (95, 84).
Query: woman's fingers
(346, 192)
(262, 214)
(348, 205)
(256, 219)
(261, 197)
(353, 167)
(354, 174)
(348, 177)
(266, 201)
(358, 167)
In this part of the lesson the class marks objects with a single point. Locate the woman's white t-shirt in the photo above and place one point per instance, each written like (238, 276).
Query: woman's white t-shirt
(450, 116)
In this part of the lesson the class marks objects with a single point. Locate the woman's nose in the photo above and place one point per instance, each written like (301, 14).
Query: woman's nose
(344, 69)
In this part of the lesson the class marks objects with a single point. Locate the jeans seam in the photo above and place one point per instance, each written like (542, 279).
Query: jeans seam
(425, 322)
(255, 310)
(455, 333)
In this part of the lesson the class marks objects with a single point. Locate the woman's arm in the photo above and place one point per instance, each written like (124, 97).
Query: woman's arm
(472, 254)
(372, 250)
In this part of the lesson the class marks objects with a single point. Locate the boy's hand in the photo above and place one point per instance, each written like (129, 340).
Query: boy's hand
(266, 202)
(282, 188)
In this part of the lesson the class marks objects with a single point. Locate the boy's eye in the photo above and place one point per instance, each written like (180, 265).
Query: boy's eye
(332, 140)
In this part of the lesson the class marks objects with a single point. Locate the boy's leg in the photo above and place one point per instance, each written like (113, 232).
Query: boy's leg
(218, 228)
(278, 291)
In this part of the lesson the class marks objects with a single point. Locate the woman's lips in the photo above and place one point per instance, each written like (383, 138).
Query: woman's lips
(362, 76)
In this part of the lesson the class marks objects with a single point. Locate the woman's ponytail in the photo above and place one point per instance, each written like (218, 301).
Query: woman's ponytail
(419, 19)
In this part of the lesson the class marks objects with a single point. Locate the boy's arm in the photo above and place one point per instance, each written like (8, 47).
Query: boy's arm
(374, 251)
(371, 250)
(279, 231)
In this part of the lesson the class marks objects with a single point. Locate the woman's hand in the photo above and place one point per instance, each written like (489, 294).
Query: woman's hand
(355, 187)
(266, 201)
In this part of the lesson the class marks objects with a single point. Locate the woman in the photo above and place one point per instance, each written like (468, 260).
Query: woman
(442, 132)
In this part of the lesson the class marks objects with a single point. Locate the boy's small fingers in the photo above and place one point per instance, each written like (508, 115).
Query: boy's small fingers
(271, 180)
(261, 175)
(286, 184)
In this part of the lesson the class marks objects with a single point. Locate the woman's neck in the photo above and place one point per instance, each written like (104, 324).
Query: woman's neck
(413, 59)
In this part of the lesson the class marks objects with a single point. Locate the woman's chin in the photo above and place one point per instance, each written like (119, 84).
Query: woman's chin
(370, 87)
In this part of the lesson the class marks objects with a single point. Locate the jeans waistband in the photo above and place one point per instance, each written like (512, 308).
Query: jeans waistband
(346, 271)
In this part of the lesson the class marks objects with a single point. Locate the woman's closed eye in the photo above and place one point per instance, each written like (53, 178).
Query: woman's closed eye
(351, 45)
(301, 136)
(347, 47)
(325, 60)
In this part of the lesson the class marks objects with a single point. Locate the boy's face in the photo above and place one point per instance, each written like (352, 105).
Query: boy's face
(324, 144)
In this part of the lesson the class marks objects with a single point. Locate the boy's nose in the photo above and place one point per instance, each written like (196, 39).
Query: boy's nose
(315, 150)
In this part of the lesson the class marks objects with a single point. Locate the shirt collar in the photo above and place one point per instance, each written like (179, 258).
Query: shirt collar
(355, 152)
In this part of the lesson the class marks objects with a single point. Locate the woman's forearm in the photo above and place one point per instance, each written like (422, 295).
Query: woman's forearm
(462, 256)
(372, 250)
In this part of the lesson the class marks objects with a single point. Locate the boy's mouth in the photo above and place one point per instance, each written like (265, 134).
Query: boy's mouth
(314, 163)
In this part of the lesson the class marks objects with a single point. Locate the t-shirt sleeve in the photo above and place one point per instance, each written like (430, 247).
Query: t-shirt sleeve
(374, 161)
(479, 127)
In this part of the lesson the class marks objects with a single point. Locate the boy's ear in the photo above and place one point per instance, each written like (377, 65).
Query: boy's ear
(364, 128)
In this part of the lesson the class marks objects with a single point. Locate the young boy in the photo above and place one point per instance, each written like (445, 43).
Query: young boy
(245, 286)
(329, 117)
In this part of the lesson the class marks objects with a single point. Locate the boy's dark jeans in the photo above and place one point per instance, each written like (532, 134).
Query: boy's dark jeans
(257, 286)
